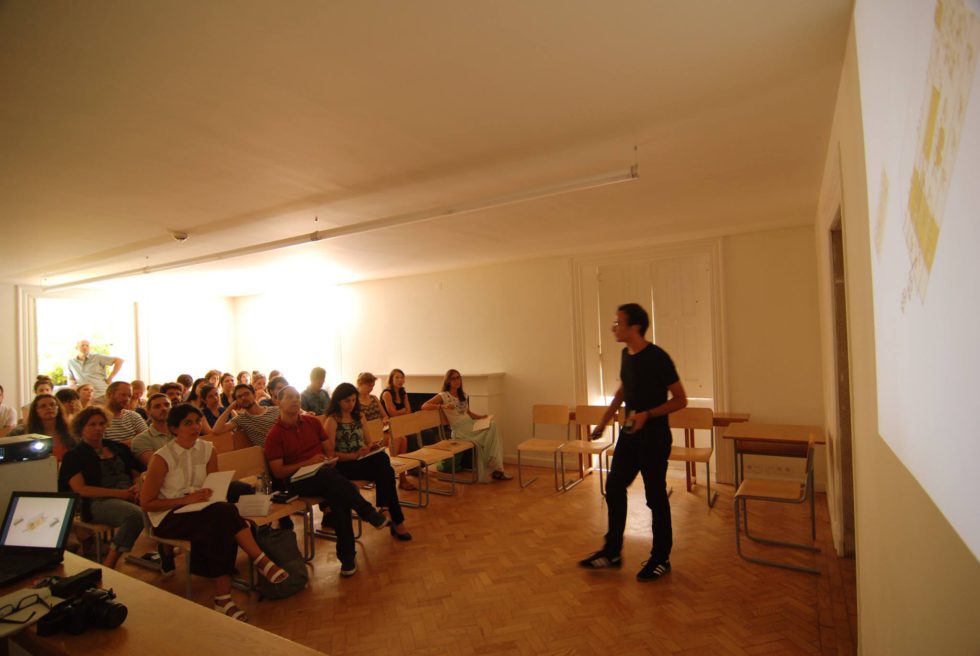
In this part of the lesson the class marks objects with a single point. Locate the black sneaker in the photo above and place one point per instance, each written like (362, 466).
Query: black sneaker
(167, 564)
(601, 560)
(652, 571)
(348, 568)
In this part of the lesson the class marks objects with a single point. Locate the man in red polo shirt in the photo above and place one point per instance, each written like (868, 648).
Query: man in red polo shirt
(297, 440)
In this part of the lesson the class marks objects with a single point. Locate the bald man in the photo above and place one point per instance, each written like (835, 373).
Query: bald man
(88, 367)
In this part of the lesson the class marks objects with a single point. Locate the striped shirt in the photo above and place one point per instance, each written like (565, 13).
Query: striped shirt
(127, 425)
(256, 427)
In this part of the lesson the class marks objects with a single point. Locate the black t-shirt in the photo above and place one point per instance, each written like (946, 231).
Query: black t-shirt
(646, 376)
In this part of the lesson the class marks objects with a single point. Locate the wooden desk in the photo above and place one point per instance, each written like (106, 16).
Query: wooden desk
(724, 455)
(770, 440)
(159, 623)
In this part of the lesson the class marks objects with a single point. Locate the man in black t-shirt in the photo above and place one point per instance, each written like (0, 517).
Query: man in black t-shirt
(647, 376)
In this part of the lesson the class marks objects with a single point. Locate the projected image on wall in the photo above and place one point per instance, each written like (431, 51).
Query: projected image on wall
(923, 166)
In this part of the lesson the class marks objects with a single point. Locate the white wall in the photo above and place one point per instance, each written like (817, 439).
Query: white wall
(918, 583)
(292, 331)
(8, 337)
(192, 335)
(513, 318)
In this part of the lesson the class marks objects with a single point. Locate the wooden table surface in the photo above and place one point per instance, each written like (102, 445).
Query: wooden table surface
(775, 433)
(159, 623)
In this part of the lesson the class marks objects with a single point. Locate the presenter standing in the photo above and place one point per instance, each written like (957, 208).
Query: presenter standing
(652, 390)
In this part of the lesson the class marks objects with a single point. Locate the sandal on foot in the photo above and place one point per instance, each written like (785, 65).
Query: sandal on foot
(501, 476)
(228, 606)
(272, 572)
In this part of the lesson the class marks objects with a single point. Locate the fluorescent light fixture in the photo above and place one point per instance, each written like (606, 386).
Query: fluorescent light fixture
(522, 196)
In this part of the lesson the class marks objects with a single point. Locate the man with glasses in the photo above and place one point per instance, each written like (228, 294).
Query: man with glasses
(652, 390)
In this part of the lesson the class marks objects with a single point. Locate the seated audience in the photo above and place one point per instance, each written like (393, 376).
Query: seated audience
(46, 417)
(211, 406)
(185, 381)
(138, 403)
(124, 424)
(174, 392)
(275, 384)
(297, 440)
(259, 384)
(8, 416)
(454, 402)
(42, 385)
(157, 434)
(227, 389)
(105, 475)
(371, 408)
(174, 479)
(358, 459)
(213, 376)
(314, 398)
(394, 397)
(71, 403)
(86, 395)
(194, 396)
(253, 419)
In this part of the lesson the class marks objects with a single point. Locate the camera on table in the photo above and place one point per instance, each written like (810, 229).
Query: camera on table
(85, 606)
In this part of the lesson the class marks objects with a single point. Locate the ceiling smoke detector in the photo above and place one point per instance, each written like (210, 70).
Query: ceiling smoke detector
(179, 236)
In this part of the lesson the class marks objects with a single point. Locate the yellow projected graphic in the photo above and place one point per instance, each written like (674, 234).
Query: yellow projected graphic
(952, 61)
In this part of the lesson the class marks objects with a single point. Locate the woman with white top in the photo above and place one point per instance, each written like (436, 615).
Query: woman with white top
(454, 402)
(174, 479)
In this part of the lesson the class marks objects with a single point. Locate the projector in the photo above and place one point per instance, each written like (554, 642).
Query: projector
(24, 447)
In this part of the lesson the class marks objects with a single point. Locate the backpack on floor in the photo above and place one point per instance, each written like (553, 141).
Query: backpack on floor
(280, 545)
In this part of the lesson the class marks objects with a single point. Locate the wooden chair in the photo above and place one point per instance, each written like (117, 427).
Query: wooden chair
(456, 447)
(101, 532)
(691, 420)
(776, 492)
(183, 545)
(586, 416)
(248, 464)
(554, 415)
(423, 458)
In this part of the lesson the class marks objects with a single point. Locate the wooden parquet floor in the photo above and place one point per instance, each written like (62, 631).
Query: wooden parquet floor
(493, 571)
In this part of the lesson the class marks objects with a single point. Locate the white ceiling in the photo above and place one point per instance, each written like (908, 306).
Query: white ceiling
(248, 121)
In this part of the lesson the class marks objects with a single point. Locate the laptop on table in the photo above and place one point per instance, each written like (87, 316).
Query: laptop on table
(35, 533)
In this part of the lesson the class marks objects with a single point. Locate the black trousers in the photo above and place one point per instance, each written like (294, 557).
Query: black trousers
(376, 468)
(342, 496)
(640, 453)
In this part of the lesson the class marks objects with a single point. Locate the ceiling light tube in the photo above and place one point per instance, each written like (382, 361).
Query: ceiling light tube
(522, 196)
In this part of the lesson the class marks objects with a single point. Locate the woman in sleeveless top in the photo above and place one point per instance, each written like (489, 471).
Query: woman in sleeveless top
(454, 402)
(174, 479)
(359, 460)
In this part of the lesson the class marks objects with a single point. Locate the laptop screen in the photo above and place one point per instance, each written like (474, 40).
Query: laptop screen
(38, 520)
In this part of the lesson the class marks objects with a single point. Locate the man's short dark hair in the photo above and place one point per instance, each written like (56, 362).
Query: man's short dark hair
(234, 392)
(64, 395)
(186, 380)
(114, 385)
(179, 412)
(154, 397)
(277, 383)
(635, 316)
(166, 387)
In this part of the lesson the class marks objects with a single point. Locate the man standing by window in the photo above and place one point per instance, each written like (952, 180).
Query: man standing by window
(647, 375)
(88, 367)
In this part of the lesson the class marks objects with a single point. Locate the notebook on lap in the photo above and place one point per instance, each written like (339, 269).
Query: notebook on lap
(35, 533)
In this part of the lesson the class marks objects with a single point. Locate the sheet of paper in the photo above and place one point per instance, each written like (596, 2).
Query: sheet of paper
(482, 424)
(216, 481)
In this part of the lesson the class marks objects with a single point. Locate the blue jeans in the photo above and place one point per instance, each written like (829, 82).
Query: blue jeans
(126, 517)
